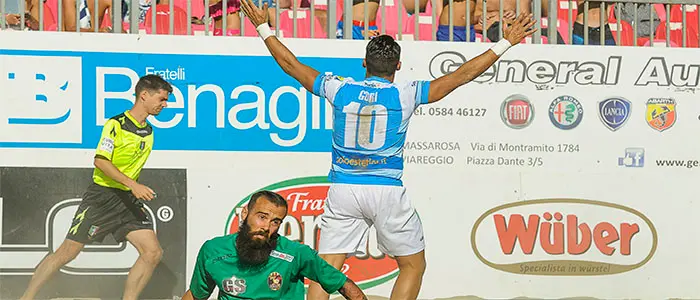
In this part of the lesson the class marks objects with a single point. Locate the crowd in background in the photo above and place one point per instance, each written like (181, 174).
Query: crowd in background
(468, 20)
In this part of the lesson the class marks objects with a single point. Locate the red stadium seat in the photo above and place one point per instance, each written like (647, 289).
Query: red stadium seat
(626, 30)
(197, 11)
(50, 16)
(676, 22)
(676, 38)
(163, 20)
(691, 14)
(303, 21)
(563, 12)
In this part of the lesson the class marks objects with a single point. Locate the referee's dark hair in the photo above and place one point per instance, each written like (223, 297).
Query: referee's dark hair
(152, 83)
(273, 197)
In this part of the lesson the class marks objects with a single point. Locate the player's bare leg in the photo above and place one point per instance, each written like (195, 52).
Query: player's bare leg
(411, 270)
(150, 253)
(316, 292)
(65, 253)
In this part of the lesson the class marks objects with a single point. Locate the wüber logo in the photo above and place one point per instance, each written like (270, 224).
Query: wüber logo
(564, 237)
(306, 197)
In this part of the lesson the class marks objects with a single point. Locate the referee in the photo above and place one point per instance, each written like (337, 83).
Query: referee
(112, 204)
(258, 263)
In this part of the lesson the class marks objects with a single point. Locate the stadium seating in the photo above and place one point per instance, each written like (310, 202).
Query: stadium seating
(562, 28)
(50, 16)
(676, 37)
(425, 24)
(180, 21)
(563, 12)
(391, 24)
(303, 21)
(388, 17)
(625, 29)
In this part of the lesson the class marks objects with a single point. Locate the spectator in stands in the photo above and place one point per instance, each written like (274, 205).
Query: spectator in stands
(410, 6)
(645, 26)
(31, 10)
(145, 6)
(509, 12)
(31, 16)
(233, 18)
(320, 14)
(459, 15)
(594, 25)
(358, 20)
(492, 13)
(89, 15)
(13, 20)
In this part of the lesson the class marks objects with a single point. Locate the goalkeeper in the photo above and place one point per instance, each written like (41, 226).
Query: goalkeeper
(258, 263)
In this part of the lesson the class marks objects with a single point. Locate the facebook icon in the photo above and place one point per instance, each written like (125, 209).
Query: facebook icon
(634, 158)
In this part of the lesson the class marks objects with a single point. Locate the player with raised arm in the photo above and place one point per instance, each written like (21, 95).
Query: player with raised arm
(369, 129)
(112, 204)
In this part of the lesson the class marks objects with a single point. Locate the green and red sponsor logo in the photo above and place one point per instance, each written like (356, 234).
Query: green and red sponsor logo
(306, 197)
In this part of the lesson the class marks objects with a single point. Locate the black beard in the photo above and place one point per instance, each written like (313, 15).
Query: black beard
(253, 252)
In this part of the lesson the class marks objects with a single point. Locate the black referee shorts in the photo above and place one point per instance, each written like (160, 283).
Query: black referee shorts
(104, 211)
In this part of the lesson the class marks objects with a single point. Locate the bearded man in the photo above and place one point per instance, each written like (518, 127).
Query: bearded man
(258, 263)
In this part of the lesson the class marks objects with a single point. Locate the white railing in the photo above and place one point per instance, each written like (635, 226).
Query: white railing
(672, 23)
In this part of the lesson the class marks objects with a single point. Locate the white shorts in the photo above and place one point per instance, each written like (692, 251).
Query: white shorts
(350, 210)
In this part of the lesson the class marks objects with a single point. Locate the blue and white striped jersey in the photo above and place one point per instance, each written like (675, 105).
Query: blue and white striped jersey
(370, 120)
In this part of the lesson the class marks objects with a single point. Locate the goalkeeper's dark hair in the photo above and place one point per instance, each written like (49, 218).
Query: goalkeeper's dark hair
(153, 84)
(382, 56)
(273, 197)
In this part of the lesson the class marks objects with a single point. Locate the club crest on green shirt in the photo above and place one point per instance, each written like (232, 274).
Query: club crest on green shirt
(234, 286)
(274, 281)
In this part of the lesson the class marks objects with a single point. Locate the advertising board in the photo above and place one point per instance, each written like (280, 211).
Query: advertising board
(561, 171)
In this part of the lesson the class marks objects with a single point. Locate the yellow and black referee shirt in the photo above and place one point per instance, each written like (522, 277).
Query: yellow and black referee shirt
(127, 144)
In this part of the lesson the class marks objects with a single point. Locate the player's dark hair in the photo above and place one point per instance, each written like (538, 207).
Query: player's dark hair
(382, 56)
(273, 197)
(153, 84)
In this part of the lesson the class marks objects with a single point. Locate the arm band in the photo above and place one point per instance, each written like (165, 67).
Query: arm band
(264, 31)
(501, 47)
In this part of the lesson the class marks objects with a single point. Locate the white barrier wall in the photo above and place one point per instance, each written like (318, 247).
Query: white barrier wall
(563, 171)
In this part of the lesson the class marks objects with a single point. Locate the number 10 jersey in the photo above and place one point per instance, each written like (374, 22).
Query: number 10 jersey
(370, 122)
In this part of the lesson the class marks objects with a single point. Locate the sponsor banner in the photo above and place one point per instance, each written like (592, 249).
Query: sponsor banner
(556, 235)
(541, 107)
(557, 170)
(499, 235)
(37, 206)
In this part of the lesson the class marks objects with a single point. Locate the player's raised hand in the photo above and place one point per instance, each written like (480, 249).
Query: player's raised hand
(256, 15)
(516, 30)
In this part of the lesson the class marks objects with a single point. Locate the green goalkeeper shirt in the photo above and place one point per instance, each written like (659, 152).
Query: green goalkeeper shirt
(282, 277)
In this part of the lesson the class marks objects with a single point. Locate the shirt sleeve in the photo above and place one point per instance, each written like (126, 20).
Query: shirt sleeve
(315, 268)
(109, 139)
(414, 94)
(326, 86)
(201, 285)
